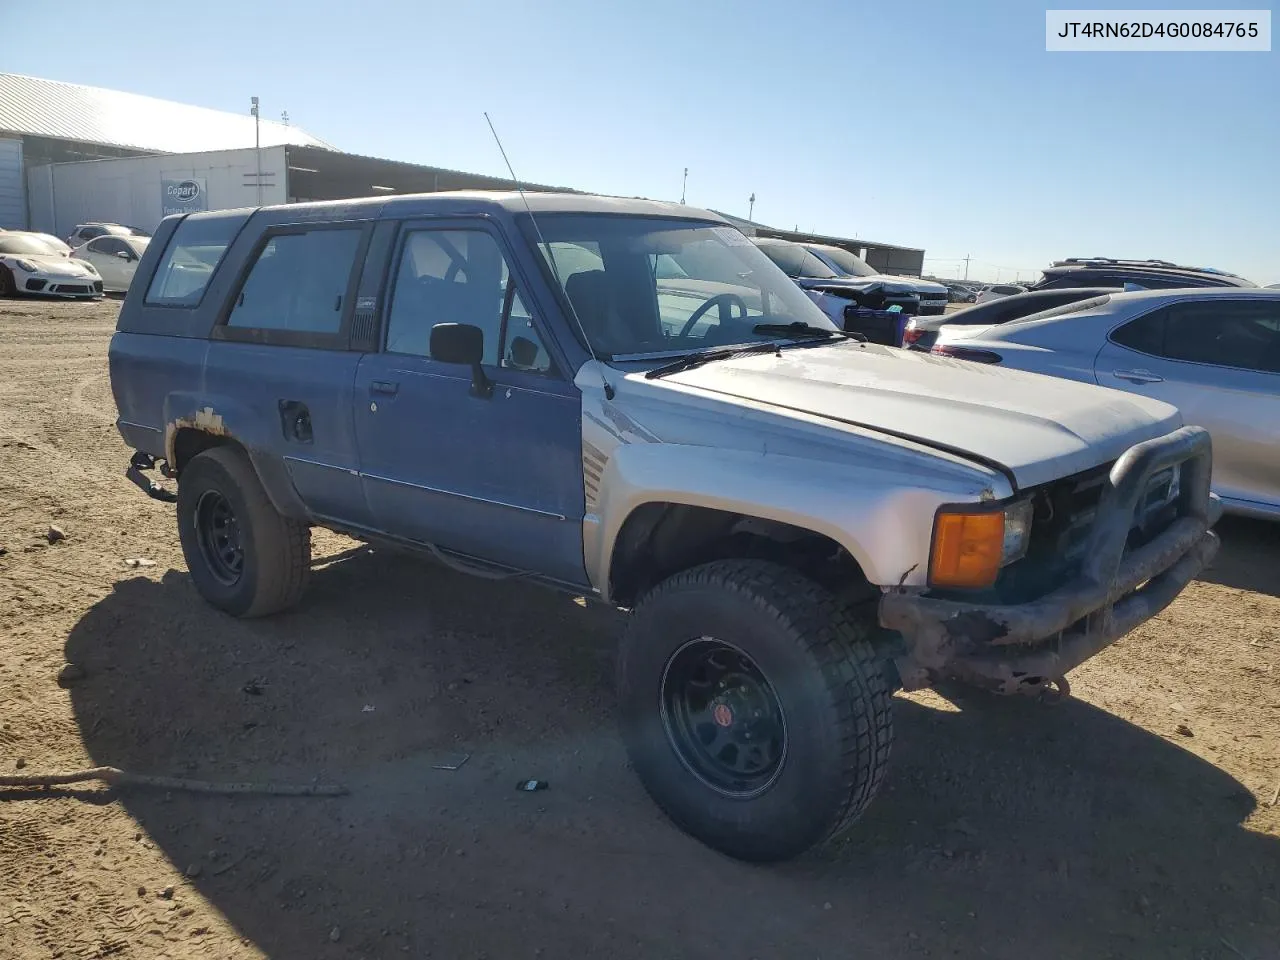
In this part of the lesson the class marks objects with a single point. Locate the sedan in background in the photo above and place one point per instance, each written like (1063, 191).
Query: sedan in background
(115, 258)
(29, 265)
(922, 332)
(1214, 353)
(998, 290)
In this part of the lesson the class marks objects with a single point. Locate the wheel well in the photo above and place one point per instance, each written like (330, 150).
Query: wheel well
(190, 442)
(661, 539)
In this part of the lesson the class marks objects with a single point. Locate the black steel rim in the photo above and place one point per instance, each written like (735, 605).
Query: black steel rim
(218, 533)
(722, 717)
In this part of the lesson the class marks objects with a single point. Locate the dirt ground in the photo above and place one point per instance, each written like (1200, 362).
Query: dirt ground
(1090, 830)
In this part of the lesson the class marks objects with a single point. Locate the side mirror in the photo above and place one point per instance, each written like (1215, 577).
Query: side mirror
(463, 344)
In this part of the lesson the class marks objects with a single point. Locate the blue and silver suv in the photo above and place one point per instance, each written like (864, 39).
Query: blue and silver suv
(628, 401)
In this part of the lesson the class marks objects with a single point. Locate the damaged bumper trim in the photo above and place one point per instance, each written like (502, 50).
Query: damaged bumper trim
(1019, 648)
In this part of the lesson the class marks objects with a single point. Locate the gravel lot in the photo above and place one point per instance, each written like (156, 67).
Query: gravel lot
(1094, 829)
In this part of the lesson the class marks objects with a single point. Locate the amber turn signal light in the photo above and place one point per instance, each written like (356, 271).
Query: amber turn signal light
(968, 549)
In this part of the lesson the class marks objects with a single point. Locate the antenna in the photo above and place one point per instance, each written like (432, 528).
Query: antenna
(551, 256)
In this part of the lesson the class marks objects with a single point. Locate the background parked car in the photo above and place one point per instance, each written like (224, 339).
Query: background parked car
(856, 304)
(115, 258)
(998, 290)
(933, 296)
(84, 232)
(960, 293)
(29, 265)
(1147, 274)
(1213, 353)
(921, 332)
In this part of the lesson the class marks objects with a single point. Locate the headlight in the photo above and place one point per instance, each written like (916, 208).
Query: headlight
(89, 268)
(972, 543)
(26, 265)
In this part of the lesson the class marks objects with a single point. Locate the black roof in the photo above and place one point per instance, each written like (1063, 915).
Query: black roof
(1139, 268)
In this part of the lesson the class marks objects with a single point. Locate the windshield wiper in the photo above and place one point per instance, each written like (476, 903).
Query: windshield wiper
(801, 329)
(691, 360)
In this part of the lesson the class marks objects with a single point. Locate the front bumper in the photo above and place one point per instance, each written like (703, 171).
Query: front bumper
(1022, 648)
(932, 308)
(62, 286)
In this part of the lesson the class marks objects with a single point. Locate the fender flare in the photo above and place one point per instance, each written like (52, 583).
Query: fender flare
(884, 523)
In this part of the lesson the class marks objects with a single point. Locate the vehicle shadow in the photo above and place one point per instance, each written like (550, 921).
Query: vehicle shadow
(1250, 555)
(1005, 829)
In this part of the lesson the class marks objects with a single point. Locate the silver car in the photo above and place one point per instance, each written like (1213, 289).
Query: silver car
(1213, 353)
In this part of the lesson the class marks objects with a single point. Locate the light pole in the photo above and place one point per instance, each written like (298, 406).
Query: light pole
(751, 206)
(257, 144)
(684, 183)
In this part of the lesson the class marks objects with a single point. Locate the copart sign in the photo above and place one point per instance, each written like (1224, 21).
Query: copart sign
(183, 196)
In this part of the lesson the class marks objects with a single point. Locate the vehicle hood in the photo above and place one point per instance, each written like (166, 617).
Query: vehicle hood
(1038, 428)
(890, 284)
(921, 286)
(55, 265)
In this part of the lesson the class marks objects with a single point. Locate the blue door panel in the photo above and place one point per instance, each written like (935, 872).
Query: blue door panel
(275, 382)
(498, 478)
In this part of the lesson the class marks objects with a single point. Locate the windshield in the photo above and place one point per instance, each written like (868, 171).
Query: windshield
(28, 245)
(650, 287)
(849, 264)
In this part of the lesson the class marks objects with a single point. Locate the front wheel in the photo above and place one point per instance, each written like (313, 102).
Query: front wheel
(7, 286)
(754, 711)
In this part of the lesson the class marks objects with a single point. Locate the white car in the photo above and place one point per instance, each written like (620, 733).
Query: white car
(998, 290)
(84, 232)
(1213, 352)
(115, 258)
(31, 265)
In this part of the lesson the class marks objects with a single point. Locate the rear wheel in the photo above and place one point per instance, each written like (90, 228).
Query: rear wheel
(754, 711)
(7, 287)
(244, 557)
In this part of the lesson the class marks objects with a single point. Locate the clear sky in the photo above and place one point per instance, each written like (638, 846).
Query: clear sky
(940, 123)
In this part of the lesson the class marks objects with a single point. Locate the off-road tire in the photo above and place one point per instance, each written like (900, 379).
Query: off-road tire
(276, 549)
(826, 677)
(8, 287)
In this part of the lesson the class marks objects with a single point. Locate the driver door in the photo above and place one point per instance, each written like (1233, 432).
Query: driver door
(499, 477)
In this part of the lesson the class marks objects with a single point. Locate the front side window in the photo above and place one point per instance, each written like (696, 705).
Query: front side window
(641, 285)
(298, 283)
(109, 246)
(194, 252)
(461, 276)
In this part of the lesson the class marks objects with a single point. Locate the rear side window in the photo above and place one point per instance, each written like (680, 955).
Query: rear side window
(193, 254)
(298, 282)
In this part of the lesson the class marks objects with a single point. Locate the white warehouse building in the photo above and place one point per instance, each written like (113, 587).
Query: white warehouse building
(71, 154)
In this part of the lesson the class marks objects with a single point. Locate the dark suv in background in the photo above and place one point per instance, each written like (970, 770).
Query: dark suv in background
(1148, 274)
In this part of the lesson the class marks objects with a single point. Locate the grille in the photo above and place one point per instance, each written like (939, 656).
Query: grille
(1064, 515)
(593, 462)
(34, 284)
(70, 288)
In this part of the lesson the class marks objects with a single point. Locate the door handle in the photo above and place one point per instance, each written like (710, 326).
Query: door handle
(1139, 376)
(389, 387)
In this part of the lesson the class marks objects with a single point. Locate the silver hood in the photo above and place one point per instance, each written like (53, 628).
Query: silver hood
(1039, 428)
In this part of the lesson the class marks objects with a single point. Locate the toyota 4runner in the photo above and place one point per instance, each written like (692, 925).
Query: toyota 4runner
(628, 401)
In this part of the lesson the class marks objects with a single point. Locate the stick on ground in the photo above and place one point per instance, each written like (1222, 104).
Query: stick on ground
(115, 777)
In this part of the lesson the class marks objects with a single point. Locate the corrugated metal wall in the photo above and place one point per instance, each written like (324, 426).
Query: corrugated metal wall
(13, 195)
(129, 190)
